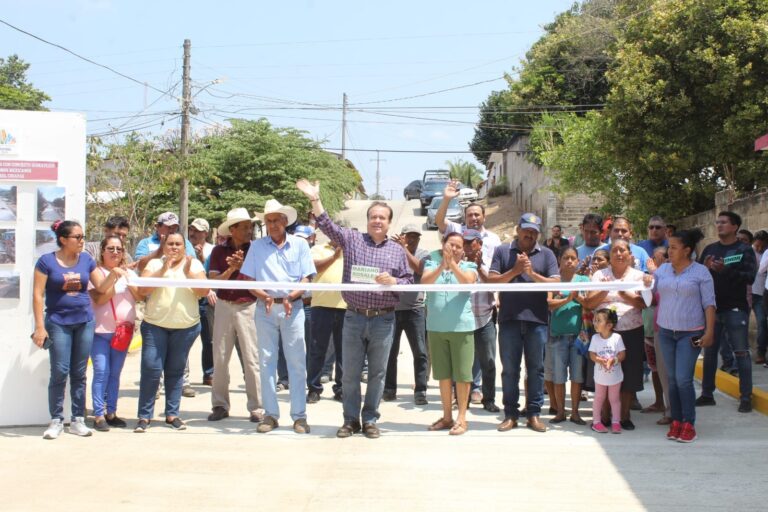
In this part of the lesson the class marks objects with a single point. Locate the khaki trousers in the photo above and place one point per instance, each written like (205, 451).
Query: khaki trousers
(234, 321)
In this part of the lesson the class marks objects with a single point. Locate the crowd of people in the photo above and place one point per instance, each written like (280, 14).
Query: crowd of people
(604, 341)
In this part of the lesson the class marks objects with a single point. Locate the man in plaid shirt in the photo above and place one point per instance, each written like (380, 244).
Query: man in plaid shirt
(370, 318)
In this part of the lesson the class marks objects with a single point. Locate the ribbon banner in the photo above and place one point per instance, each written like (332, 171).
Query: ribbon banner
(161, 282)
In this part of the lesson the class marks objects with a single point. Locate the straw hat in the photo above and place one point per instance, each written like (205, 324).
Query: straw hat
(274, 206)
(233, 217)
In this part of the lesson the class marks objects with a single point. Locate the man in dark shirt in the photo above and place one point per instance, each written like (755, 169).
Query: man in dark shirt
(233, 322)
(733, 268)
(523, 319)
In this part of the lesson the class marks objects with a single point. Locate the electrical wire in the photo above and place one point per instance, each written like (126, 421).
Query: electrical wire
(431, 93)
(86, 59)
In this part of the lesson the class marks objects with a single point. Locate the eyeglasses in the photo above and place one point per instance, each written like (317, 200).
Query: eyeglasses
(117, 250)
(76, 237)
(655, 226)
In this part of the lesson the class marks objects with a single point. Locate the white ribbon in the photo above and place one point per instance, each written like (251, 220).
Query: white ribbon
(160, 282)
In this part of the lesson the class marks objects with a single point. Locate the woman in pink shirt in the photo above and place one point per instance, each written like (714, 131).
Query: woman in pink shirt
(116, 305)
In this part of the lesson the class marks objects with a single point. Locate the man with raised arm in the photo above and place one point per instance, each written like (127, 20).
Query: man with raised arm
(483, 303)
(369, 322)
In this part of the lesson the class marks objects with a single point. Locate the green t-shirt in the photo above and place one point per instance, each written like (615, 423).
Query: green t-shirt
(449, 311)
(567, 318)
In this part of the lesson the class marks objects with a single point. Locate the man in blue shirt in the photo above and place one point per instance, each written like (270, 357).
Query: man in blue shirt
(622, 229)
(591, 229)
(280, 257)
(523, 318)
(657, 235)
(149, 248)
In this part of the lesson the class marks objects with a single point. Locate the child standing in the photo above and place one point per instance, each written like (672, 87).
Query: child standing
(607, 352)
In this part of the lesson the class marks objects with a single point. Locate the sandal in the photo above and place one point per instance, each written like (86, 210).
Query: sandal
(652, 408)
(441, 424)
(458, 429)
(577, 420)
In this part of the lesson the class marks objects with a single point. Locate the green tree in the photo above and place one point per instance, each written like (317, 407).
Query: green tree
(466, 172)
(564, 70)
(15, 92)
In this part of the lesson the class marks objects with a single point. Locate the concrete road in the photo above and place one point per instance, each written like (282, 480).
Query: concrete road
(227, 466)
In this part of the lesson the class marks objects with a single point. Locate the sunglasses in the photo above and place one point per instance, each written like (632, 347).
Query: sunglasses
(655, 226)
(116, 250)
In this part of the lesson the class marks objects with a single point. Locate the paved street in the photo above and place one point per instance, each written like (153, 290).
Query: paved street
(227, 466)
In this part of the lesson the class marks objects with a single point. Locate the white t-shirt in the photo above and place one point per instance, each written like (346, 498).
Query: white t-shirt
(607, 348)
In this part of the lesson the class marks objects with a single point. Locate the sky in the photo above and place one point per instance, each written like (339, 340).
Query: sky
(289, 62)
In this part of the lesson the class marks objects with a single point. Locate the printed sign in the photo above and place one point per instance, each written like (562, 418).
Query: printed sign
(363, 274)
(9, 144)
(28, 171)
(730, 260)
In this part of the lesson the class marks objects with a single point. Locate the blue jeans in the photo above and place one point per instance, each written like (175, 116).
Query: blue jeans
(680, 360)
(272, 330)
(731, 326)
(327, 328)
(484, 367)
(71, 346)
(515, 338)
(163, 351)
(371, 337)
(206, 337)
(282, 365)
(758, 307)
(107, 366)
(414, 324)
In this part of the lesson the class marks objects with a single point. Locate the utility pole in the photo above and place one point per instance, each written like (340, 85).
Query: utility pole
(344, 128)
(391, 191)
(378, 173)
(186, 100)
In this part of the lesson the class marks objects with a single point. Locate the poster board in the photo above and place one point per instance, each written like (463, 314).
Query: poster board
(42, 178)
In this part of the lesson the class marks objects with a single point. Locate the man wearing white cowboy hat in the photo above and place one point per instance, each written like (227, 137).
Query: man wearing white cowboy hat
(280, 257)
(233, 318)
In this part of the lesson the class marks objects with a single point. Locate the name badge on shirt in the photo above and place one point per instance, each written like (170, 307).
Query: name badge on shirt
(730, 260)
(363, 274)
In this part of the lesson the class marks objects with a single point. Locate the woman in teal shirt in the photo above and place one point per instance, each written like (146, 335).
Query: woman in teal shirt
(450, 329)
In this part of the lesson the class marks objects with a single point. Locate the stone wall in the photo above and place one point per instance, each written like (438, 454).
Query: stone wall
(752, 208)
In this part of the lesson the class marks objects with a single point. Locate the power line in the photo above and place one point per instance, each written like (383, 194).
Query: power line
(431, 93)
(134, 128)
(86, 59)
(430, 151)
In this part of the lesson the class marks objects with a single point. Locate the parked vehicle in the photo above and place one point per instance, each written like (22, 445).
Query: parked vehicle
(413, 190)
(432, 188)
(436, 174)
(467, 194)
(455, 212)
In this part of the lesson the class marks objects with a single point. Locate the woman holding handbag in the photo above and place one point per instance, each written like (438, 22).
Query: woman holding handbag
(115, 315)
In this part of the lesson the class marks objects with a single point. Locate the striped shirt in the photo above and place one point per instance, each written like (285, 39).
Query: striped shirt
(360, 249)
(683, 297)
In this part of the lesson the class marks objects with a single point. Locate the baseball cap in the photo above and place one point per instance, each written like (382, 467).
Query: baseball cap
(410, 228)
(471, 234)
(200, 225)
(304, 231)
(530, 221)
(168, 218)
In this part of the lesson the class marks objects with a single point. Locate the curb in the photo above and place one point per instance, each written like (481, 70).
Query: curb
(729, 385)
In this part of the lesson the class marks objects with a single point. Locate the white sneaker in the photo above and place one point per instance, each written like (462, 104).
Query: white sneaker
(77, 427)
(54, 429)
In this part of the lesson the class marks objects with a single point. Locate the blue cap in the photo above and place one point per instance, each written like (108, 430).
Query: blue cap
(530, 221)
(471, 234)
(304, 231)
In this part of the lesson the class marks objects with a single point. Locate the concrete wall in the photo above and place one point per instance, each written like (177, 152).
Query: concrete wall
(752, 208)
(529, 190)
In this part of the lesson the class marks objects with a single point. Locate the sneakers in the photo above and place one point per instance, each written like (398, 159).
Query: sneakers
(599, 428)
(101, 425)
(325, 379)
(54, 429)
(77, 427)
(188, 392)
(745, 405)
(420, 399)
(687, 433)
(615, 428)
(674, 430)
(141, 427)
(313, 397)
(268, 424)
(176, 424)
(116, 422)
(476, 397)
(704, 400)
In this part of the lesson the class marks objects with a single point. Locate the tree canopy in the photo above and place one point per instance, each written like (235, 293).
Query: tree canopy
(680, 95)
(15, 92)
